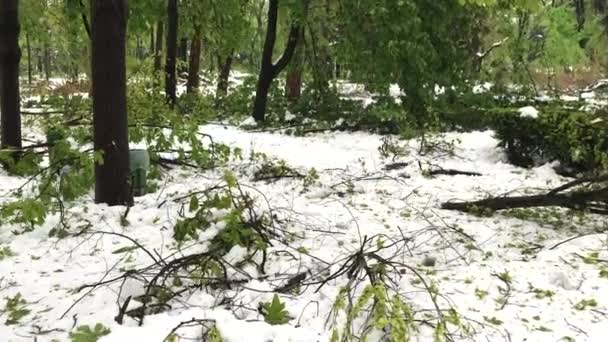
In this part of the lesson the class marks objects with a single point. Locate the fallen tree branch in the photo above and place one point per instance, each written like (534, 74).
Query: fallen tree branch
(594, 200)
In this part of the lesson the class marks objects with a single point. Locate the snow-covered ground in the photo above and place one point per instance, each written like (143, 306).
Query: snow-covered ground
(500, 273)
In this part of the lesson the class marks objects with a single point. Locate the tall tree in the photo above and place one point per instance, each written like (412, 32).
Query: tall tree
(158, 49)
(171, 61)
(195, 60)
(10, 54)
(269, 70)
(112, 178)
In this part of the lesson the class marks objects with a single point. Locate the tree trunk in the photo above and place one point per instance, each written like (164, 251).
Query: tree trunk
(579, 6)
(152, 41)
(195, 61)
(39, 61)
(47, 61)
(183, 56)
(225, 67)
(10, 55)
(269, 70)
(29, 58)
(112, 177)
(170, 63)
(293, 80)
(158, 50)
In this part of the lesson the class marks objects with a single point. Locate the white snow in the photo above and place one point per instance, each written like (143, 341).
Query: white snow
(329, 221)
(528, 112)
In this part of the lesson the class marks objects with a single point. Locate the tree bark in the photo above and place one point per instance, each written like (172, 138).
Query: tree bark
(195, 61)
(171, 60)
(47, 61)
(10, 54)
(29, 58)
(579, 6)
(594, 200)
(225, 66)
(158, 49)
(293, 80)
(110, 134)
(152, 46)
(268, 70)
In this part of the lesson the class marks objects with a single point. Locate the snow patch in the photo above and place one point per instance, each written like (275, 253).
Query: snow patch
(528, 112)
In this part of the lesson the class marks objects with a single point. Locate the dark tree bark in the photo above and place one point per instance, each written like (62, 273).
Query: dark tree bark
(152, 41)
(158, 50)
(225, 66)
(195, 61)
(112, 178)
(579, 6)
(293, 80)
(182, 53)
(29, 58)
(10, 54)
(171, 60)
(269, 70)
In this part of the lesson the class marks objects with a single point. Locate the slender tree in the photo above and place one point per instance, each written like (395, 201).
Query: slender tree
(171, 61)
(225, 66)
(195, 61)
(158, 49)
(269, 70)
(112, 179)
(10, 54)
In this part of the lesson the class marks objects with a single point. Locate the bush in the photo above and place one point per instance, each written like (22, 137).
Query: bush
(578, 140)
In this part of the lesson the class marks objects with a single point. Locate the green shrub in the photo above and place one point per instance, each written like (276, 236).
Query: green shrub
(578, 140)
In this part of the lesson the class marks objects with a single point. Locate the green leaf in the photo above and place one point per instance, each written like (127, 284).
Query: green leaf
(194, 204)
(275, 313)
(124, 249)
(84, 333)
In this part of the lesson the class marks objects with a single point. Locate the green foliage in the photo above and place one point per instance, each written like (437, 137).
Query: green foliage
(416, 53)
(231, 209)
(84, 333)
(5, 252)
(274, 312)
(578, 140)
(386, 313)
(15, 308)
(585, 303)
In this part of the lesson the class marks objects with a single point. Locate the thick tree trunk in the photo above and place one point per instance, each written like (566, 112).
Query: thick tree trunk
(29, 58)
(158, 50)
(261, 95)
(293, 80)
(171, 61)
(225, 66)
(10, 55)
(269, 70)
(112, 177)
(195, 61)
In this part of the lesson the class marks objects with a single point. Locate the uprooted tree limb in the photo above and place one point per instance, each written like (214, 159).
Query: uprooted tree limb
(591, 194)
